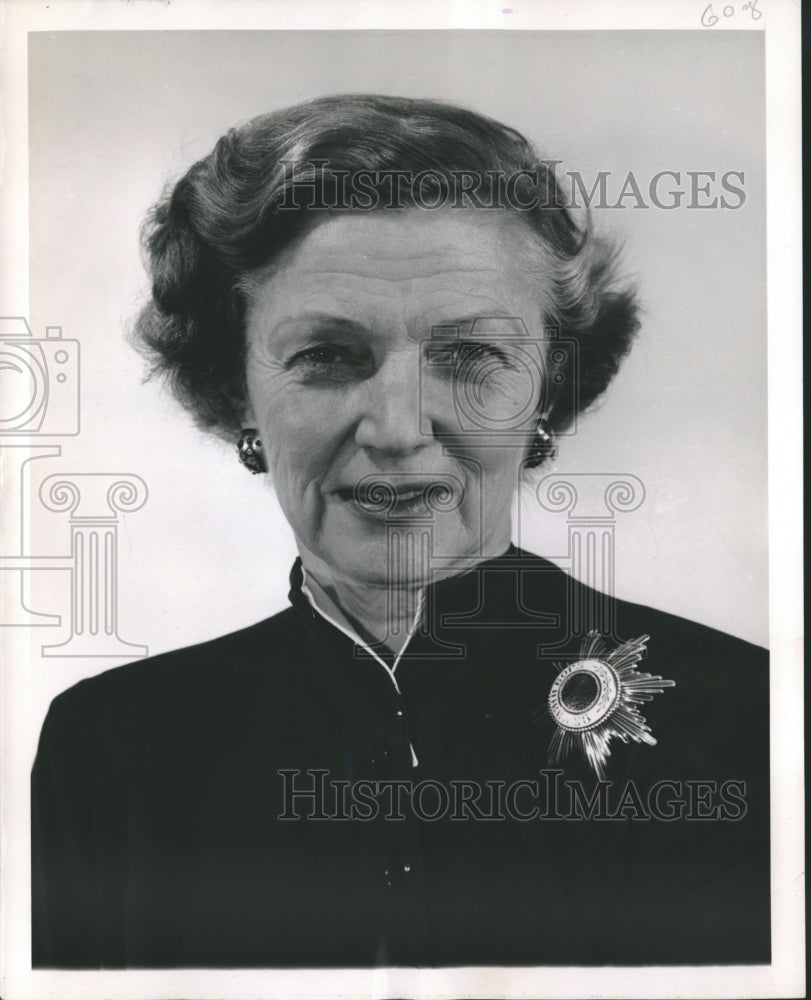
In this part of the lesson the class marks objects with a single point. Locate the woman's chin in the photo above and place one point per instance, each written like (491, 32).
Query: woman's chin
(377, 561)
(410, 556)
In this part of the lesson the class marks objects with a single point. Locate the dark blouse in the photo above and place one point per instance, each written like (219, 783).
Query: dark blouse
(159, 790)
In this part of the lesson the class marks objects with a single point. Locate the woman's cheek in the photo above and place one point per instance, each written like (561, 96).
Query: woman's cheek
(299, 494)
(492, 475)
(297, 462)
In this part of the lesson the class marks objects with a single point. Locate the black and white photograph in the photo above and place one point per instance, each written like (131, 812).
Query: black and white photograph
(400, 460)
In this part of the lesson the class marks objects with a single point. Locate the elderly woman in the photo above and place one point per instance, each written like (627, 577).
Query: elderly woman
(439, 754)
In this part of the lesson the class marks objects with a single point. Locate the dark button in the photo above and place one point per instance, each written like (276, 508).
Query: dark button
(380, 760)
(398, 870)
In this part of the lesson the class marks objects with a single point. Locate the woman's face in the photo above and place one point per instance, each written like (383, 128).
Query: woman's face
(404, 350)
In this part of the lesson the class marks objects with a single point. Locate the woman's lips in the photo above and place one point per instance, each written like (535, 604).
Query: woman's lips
(383, 498)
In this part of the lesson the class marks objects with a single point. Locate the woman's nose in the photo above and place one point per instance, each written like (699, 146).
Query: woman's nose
(391, 421)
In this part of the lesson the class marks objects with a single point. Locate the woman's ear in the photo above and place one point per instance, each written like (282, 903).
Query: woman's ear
(241, 407)
(247, 416)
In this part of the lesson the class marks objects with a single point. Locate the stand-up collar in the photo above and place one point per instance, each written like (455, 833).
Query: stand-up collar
(493, 588)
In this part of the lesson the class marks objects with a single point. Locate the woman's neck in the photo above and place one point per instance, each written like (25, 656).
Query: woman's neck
(384, 611)
(377, 612)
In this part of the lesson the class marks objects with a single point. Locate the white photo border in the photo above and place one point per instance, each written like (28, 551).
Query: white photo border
(785, 976)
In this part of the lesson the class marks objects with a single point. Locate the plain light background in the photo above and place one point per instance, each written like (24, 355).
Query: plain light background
(115, 116)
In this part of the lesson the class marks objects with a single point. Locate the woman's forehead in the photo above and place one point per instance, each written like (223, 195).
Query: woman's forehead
(415, 261)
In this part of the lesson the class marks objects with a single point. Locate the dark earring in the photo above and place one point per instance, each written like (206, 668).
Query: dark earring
(542, 445)
(249, 449)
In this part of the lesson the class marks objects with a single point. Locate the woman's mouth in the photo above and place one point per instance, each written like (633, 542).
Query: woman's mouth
(382, 498)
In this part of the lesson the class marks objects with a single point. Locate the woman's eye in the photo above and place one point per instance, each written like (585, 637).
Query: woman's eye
(327, 362)
(320, 356)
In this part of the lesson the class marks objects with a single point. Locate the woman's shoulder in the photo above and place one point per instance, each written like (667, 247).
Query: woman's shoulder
(181, 678)
(576, 600)
(682, 640)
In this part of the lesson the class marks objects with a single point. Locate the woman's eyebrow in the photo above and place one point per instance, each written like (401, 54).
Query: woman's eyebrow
(467, 324)
(321, 320)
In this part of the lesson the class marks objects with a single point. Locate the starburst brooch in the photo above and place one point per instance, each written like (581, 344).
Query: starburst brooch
(594, 700)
